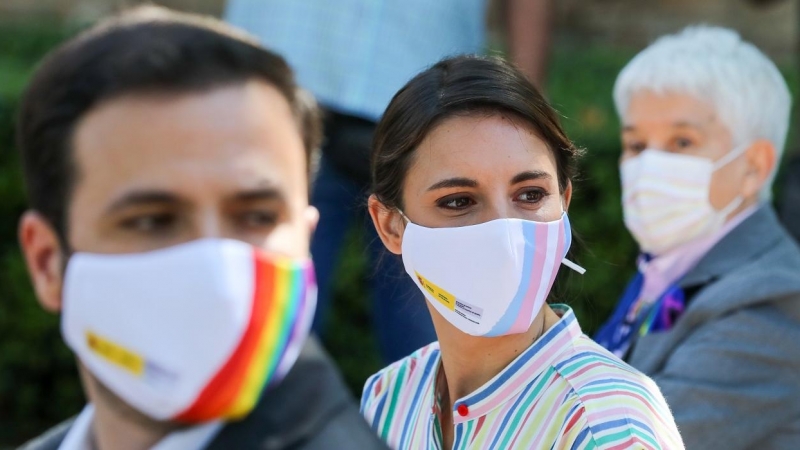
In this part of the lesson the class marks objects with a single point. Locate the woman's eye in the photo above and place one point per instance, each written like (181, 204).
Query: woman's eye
(534, 196)
(150, 223)
(683, 143)
(258, 219)
(456, 203)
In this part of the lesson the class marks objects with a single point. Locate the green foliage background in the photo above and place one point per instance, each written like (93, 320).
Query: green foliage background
(38, 380)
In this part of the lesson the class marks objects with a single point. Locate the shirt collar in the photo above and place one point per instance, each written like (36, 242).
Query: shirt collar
(662, 271)
(79, 436)
(524, 368)
(756, 235)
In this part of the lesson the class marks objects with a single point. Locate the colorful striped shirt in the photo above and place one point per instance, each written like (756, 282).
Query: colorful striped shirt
(563, 392)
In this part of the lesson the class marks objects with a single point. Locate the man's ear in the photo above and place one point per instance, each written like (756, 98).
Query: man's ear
(44, 258)
(761, 159)
(389, 224)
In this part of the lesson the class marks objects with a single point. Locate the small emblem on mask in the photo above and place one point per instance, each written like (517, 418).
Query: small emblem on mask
(463, 309)
(116, 354)
(129, 360)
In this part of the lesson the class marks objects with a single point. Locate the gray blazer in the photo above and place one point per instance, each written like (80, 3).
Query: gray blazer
(730, 367)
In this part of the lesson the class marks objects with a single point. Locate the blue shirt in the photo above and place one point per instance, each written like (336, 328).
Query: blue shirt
(354, 55)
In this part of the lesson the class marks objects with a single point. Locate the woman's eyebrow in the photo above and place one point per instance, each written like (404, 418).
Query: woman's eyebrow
(454, 182)
(689, 124)
(529, 175)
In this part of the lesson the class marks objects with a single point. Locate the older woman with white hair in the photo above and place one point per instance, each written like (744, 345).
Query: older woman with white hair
(713, 314)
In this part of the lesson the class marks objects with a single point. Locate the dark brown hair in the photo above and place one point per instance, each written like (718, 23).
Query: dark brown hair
(145, 50)
(462, 85)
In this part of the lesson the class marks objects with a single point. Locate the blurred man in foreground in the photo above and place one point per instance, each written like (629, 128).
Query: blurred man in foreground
(713, 314)
(166, 161)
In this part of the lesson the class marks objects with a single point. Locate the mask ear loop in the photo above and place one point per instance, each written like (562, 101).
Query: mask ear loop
(732, 155)
(722, 162)
(573, 266)
(404, 216)
(565, 261)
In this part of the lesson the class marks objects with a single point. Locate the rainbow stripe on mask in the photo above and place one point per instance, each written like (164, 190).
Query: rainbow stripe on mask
(280, 302)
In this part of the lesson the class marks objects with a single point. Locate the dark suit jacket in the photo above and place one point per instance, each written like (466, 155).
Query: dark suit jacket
(730, 367)
(790, 200)
(311, 409)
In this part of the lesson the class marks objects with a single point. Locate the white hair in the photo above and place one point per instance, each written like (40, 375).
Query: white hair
(715, 65)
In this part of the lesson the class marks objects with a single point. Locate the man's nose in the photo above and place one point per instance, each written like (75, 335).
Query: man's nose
(209, 224)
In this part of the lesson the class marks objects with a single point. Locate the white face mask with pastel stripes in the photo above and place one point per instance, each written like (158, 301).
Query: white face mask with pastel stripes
(665, 198)
(489, 279)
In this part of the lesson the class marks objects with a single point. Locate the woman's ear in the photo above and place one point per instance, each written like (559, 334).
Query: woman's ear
(311, 216)
(761, 160)
(567, 195)
(389, 224)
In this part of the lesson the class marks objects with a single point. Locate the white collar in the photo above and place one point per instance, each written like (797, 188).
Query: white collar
(79, 436)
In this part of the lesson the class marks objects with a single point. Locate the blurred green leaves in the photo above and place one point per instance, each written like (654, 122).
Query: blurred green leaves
(38, 380)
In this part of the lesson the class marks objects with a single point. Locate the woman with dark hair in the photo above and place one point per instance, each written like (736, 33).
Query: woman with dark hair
(471, 174)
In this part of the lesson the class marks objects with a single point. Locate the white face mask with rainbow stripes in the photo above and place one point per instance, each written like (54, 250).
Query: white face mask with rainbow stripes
(190, 333)
(665, 198)
(489, 279)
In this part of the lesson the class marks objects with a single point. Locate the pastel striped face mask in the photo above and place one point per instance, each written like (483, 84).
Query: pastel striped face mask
(190, 333)
(665, 198)
(489, 279)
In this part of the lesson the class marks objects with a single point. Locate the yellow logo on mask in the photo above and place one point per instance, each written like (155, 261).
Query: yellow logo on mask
(444, 297)
(115, 353)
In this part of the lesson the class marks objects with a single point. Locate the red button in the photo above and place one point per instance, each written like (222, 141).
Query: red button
(463, 410)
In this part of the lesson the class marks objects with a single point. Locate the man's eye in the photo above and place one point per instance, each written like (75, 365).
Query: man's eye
(149, 223)
(256, 219)
(533, 196)
(456, 203)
